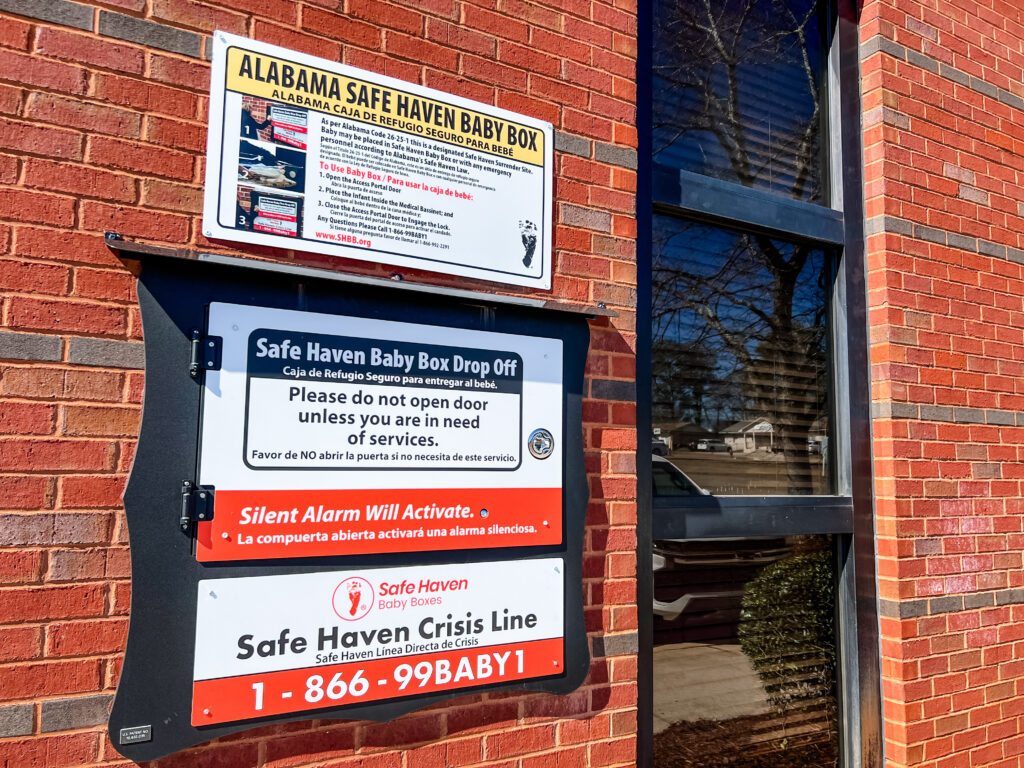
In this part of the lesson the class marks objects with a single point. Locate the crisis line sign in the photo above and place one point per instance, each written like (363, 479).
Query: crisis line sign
(276, 645)
(307, 153)
(326, 435)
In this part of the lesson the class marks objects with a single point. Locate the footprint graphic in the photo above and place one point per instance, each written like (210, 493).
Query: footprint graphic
(528, 233)
(355, 594)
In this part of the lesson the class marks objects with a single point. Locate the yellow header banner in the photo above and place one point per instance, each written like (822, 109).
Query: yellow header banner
(269, 77)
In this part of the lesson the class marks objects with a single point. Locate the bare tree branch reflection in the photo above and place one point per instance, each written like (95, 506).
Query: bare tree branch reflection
(737, 92)
(739, 319)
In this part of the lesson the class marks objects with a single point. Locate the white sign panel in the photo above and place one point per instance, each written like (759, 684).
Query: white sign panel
(308, 154)
(324, 435)
(273, 645)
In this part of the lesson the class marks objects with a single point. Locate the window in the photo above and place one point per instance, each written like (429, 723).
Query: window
(758, 395)
(740, 358)
(737, 92)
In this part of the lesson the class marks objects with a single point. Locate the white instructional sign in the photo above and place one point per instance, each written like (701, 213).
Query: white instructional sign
(309, 154)
(272, 645)
(324, 435)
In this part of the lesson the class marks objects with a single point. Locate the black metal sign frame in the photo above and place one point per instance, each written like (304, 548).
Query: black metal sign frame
(151, 713)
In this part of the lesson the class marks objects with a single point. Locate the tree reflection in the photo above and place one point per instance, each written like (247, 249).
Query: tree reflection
(739, 319)
(739, 335)
(737, 91)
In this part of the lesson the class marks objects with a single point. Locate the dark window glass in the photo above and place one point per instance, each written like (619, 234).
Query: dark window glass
(745, 654)
(737, 92)
(739, 359)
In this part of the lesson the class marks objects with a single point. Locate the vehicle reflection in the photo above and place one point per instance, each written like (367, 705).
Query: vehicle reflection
(744, 643)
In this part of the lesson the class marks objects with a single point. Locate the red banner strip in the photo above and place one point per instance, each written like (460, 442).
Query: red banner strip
(230, 699)
(266, 525)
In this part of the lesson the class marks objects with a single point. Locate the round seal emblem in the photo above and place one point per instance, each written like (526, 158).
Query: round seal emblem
(541, 443)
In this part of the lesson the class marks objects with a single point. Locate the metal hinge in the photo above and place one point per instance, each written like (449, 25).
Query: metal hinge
(196, 504)
(205, 355)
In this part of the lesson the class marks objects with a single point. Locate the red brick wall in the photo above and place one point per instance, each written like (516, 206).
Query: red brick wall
(944, 154)
(102, 127)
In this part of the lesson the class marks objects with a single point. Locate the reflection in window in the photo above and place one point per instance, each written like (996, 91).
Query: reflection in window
(737, 92)
(745, 654)
(739, 362)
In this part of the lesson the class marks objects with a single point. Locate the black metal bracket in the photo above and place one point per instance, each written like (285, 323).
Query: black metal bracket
(196, 504)
(205, 355)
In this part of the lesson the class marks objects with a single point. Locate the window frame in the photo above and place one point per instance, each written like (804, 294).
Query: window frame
(836, 224)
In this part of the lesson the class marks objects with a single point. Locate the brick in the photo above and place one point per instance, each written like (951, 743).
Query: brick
(149, 33)
(107, 353)
(78, 180)
(613, 155)
(130, 222)
(587, 218)
(15, 34)
(63, 246)
(143, 95)
(104, 386)
(36, 207)
(33, 71)
(41, 140)
(284, 11)
(574, 145)
(186, 13)
(386, 15)
(55, 11)
(104, 284)
(420, 51)
(228, 756)
(16, 720)
(20, 567)
(53, 677)
(82, 638)
(76, 565)
(319, 745)
(75, 113)
(49, 752)
(278, 35)
(178, 72)
(60, 44)
(33, 277)
(99, 421)
(615, 645)
(21, 604)
(128, 156)
(39, 455)
(165, 132)
(20, 643)
(499, 25)
(71, 714)
(26, 418)
(604, 389)
(66, 316)
(29, 346)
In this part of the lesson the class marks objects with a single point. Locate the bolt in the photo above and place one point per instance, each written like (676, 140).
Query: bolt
(555, 663)
(202, 516)
(484, 513)
(207, 712)
(224, 535)
(546, 523)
